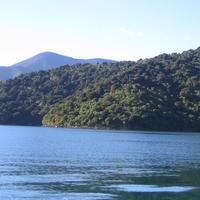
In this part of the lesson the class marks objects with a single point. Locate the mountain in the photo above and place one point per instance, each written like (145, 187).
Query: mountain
(161, 93)
(4, 72)
(43, 61)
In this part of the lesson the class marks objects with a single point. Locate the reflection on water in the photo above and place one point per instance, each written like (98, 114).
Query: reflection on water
(151, 188)
(74, 164)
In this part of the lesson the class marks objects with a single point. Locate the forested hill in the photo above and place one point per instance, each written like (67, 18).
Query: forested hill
(162, 93)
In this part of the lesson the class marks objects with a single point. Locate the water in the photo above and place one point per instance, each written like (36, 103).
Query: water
(77, 164)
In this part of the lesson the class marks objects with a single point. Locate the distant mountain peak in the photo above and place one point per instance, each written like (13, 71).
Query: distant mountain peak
(49, 53)
(44, 61)
(48, 59)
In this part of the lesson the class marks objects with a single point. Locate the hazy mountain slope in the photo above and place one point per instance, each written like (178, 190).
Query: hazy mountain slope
(5, 73)
(43, 61)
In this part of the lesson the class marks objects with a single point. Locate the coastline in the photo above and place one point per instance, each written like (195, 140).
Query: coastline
(108, 129)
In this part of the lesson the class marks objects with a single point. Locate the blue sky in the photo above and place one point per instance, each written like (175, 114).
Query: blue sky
(116, 29)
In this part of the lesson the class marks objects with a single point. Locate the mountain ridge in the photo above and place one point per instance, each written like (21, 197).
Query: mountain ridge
(44, 61)
(158, 94)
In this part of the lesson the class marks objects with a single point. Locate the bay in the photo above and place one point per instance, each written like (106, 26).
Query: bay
(84, 164)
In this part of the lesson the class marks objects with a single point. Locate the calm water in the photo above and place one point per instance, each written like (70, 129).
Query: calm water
(72, 164)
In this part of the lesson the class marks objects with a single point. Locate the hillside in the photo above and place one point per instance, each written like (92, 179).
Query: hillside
(43, 61)
(161, 93)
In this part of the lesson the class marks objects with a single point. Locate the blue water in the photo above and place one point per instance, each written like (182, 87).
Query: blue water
(81, 164)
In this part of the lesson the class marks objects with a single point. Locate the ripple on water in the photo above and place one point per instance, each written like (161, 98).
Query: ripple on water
(151, 188)
(88, 196)
(11, 195)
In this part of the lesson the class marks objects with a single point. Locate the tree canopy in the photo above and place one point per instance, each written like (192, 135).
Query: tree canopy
(162, 93)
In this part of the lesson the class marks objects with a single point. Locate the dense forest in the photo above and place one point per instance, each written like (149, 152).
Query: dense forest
(161, 93)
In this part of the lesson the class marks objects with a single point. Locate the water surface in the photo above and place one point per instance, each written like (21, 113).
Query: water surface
(81, 164)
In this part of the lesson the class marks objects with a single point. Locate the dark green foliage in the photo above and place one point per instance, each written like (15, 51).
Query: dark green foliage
(26, 99)
(162, 93)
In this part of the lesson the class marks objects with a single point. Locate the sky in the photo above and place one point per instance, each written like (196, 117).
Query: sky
(113, 29)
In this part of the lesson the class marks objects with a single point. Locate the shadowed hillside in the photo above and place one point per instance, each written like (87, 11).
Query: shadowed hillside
(161, 93)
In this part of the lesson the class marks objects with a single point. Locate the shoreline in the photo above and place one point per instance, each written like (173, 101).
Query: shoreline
(106, 129)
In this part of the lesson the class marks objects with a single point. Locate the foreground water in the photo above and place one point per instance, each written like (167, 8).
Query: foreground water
(77, 164)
